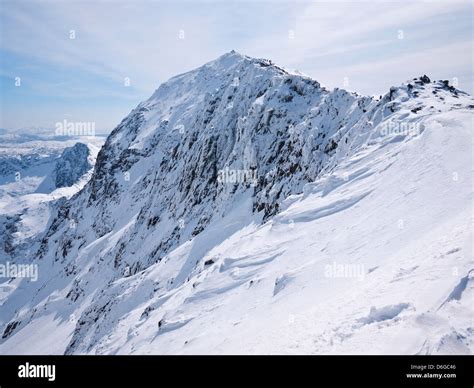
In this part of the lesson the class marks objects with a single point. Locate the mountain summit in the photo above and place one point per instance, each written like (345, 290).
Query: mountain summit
(244, 208)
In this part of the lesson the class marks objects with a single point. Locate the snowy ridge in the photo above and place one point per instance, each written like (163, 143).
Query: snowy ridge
(353, 201)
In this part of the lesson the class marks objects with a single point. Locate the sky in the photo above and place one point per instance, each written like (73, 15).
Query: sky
(94, 61)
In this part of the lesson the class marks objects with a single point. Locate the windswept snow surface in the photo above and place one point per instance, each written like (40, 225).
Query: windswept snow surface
(369, 250)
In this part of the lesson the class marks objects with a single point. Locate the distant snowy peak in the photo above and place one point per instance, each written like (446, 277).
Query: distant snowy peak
(36, 173)
(73, 163)
(43, 164)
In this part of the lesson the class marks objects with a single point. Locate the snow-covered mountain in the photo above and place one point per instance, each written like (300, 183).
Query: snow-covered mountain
(36, 171)
(243, 208)
(73, 163)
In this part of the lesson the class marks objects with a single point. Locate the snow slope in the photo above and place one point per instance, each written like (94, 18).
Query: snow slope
(354, 237)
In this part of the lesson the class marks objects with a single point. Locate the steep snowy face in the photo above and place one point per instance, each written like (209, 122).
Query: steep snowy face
(234, 128)
(216, 152)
